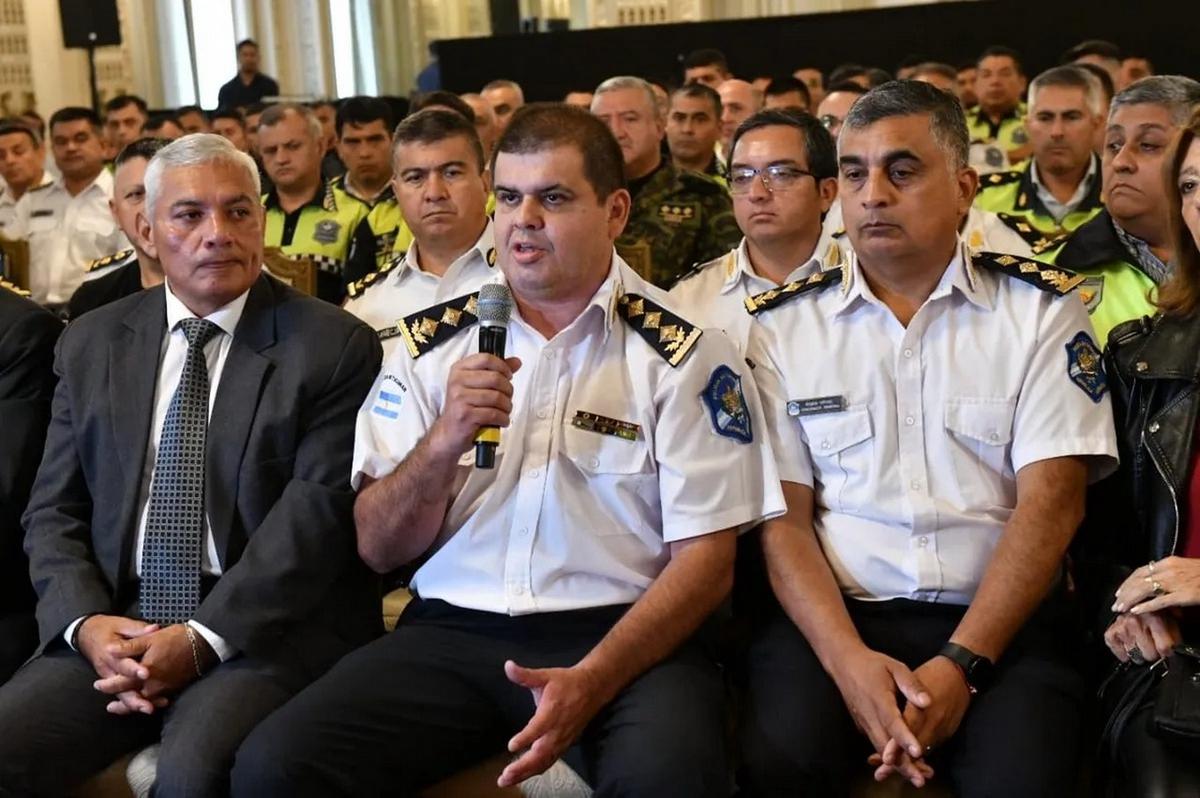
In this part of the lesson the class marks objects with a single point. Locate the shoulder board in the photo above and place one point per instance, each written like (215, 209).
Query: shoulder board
(999, 178)
(1037, 240)
(16, 289)
(433, 326)
(777, 296)
(356, 288)
(697, 269)
(667, 334)
(329, 203)
(109, 260)
(42, 187)
(839, 233)
(1046, 277)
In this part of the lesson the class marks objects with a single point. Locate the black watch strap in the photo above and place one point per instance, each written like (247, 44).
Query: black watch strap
(978, 670)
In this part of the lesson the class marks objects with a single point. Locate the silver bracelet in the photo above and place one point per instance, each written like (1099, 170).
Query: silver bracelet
(191, 636)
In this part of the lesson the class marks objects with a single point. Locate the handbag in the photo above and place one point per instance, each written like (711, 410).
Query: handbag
(1176, 715)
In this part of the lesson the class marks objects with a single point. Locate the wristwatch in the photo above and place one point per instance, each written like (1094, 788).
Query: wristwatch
(979, 671)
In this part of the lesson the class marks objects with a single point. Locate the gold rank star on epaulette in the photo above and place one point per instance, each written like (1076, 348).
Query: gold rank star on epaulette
(16, 289)
(433, 326)
(667, 334)
(1001, 178)
(108, 260)
(357, 287)
(1037, 240)
(1048, 278)
(775, 297)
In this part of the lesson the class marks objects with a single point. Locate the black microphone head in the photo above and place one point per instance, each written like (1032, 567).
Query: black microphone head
(495, 305)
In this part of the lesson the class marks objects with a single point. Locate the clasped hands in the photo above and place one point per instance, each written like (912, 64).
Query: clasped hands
(140, 664)
(936, 699)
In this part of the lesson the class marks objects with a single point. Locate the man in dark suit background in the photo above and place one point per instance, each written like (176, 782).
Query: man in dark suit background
(190, 532)
(27, 336)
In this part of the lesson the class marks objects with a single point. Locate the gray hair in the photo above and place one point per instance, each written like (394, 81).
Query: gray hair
(274, 114)
(629, 82)
(1070, 76)
(1177, 94)
(505, 84)
(196, 149)
(910, 98)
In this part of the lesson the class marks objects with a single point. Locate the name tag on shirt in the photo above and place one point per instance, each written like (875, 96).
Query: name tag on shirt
(41, 212)
(606, 426)
(816, 406)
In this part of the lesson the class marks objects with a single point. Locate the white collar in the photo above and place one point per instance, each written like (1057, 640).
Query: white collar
(226, 317)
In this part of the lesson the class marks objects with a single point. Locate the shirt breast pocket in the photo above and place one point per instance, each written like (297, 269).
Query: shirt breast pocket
(979, 438)
(618, 473)
(841, 445)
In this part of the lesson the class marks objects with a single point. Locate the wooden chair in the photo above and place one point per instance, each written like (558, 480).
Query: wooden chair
(15, 253)
(298, 272)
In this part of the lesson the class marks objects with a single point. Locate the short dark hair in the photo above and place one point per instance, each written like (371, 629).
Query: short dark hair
(322, 103)
(785, 84)
(542, 126)
(436, 124)
(228, 113)
(877, 76)
(254, 108)
(708, 56)
(1000, 51)
(246, 43)
(142, 148)
(947, 122)
(849, 86)
(183, 110)
(700, 92)
(74, 113)
(155, 123)
(935, 68)
(1106, 82)
(124, 101)
(819, 146)
(363, 111)
(1099, 47)
(445, 99)
(11, 125)
(844, 72)
(37, 119)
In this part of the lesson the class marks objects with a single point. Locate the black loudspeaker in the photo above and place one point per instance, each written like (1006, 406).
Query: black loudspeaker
(89, 23)
(506, 17)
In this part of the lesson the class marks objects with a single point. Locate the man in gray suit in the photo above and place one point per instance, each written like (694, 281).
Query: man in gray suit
(190, 533)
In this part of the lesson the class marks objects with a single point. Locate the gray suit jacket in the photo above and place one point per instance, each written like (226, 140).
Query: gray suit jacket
(293, 591)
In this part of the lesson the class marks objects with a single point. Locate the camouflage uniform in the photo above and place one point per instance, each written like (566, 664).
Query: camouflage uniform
(679, 218)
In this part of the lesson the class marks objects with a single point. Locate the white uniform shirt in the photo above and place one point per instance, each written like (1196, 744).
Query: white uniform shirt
(65, 234)
(715, 295)
(572, 517)
(912, 437)
(8, 206)
(407, 288)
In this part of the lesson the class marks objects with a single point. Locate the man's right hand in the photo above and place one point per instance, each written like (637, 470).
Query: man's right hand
(478, 394)
(869, 682)
(96, 636)
(1153, 635)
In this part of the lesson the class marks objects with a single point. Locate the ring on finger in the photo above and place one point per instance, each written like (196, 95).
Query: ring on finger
(1135, 656)
(1157, 587)
(1150, 567)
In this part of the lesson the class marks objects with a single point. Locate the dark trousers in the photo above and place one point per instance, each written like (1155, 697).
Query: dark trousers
(55, 731)
(18, 641)
(1018, 738)
(431, 699)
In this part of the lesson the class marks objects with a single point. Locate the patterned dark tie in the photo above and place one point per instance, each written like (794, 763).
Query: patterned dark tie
(170, 580)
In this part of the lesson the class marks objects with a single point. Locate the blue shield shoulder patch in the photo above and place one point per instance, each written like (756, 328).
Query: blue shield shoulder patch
(1085, 367)
(727, 405)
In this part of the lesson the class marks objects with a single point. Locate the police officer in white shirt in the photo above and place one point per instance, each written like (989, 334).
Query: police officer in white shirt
(67, 223)
(441, 184)
(948, 409)
(564, 588)
(22, 154)
(783, 177)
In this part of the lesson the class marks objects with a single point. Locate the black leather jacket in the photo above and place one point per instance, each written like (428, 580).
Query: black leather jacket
(1137, 514)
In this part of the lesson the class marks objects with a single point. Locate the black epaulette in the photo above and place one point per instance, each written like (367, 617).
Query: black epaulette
(777, 296)
(100, 263)
(16, 289)
(667, 334)
(696, 269)
(1046, 277)
(356, 288)
(388, 332)
(839, 233)
(1037, 240)
(329, 201)
(1000, 178)
(433, 326)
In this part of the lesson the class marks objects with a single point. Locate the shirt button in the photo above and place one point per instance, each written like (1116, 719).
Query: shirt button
(824, 444)
(1141, 366)
(923, 541)
(1153, 426)
(910, 421)
(908, 353)
(518, 590)
(993, 435)
(523, 531)
(594, 462)
(543, 413)
(534, 473)
(915, 484)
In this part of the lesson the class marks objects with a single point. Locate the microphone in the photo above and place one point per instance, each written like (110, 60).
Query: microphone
(495, 307)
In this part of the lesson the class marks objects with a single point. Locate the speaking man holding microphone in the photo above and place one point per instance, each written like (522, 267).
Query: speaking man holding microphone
(563, 591)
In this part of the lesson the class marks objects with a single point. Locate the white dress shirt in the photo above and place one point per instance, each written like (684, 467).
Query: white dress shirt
(65, 234)
(571, 517)
(408, 288)
(170, 368)
(8, 206)
(911, 437)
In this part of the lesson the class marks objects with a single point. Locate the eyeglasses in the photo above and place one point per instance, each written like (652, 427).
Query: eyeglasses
(829, 121)
(776, 177)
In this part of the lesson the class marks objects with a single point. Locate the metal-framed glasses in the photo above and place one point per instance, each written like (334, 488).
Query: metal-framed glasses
(776, 177)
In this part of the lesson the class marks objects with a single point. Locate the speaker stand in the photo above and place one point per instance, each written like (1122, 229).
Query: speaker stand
(91, 51)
